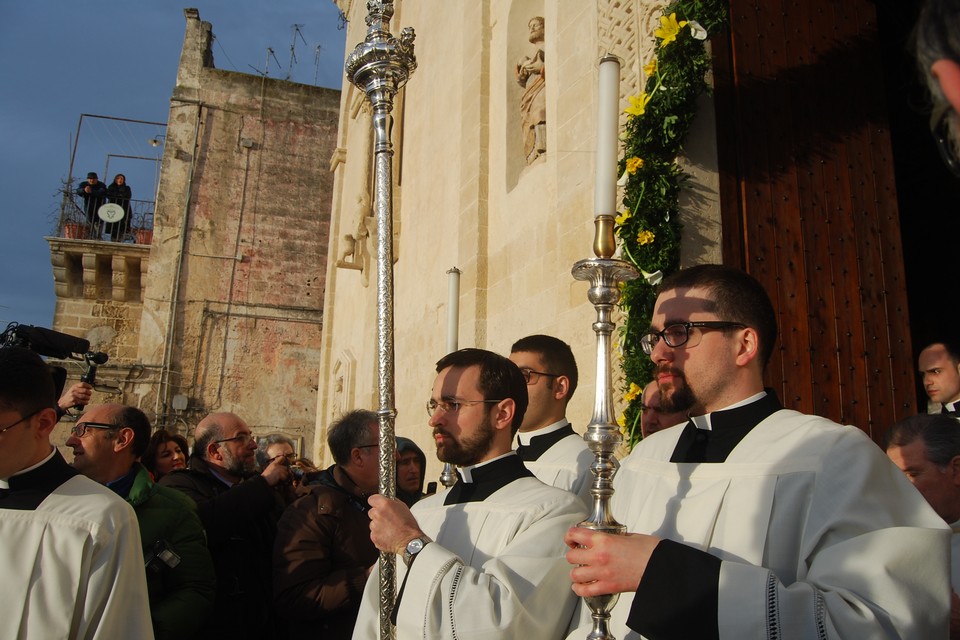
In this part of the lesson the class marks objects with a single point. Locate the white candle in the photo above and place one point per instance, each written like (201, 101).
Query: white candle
(605, 193)
(453, 309)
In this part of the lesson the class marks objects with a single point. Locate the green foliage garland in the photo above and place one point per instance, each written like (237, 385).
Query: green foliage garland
(649, 226)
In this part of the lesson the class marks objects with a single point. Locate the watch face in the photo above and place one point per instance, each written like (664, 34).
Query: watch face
(414, 545)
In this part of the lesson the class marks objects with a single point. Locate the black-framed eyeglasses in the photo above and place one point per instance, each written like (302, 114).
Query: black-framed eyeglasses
(678, 334)
(940, 128)
(80, 429)
(531, 376)
(21, 420)
(453, 405)
(367, 446)
(289, 456)
(243, 438)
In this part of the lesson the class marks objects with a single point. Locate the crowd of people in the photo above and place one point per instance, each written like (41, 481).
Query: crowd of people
(743, 519)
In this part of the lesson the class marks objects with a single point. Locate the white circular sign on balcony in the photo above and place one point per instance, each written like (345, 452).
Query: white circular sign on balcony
(111, 212)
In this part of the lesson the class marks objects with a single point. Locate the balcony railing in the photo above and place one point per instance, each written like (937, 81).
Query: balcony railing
(136, 226)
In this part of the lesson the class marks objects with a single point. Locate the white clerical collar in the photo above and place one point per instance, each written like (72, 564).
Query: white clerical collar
(3, 481)
(466, 473)
(951, 406)
(524, 438)
(703, 422)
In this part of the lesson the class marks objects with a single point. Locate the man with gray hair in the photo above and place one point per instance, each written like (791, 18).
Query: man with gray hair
(274, 446)
(239, 508)
(323, 552)
(927, 449)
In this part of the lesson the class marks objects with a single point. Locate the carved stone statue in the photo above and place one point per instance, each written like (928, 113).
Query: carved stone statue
(533, 104)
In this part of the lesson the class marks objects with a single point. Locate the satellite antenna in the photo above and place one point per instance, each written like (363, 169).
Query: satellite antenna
(293, 48)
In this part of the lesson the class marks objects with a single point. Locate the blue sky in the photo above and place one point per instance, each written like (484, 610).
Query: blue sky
(61, 59)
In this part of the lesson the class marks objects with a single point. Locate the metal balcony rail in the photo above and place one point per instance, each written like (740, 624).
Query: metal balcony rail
(81, 220)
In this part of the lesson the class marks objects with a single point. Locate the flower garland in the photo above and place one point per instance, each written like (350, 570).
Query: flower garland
(649, 226)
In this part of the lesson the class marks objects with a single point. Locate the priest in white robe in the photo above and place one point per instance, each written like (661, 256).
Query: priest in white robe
(546, 441)
(753, 521)
(484, 559)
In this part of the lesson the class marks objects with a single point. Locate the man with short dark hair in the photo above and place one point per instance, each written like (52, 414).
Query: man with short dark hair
(70, 561)
(323, 552)
(483, 559)
(239, 509)
(927, 449)
(107, 443)
(546, 442)
(752, 520)
(939, 365)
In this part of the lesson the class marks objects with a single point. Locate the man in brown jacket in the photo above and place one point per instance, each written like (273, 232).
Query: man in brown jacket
(323, 553)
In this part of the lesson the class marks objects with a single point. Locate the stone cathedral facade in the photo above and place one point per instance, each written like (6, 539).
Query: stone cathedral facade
(494, 175)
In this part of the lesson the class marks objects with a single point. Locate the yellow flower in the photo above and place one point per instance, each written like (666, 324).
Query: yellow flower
(622, 421)
(622, 217)
(638, 104)
(669, 29)
(632, 392)
(645, 237)
(650, 68)
(633, 164)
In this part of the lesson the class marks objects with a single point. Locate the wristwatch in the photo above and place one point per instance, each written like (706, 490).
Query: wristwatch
(414, 547)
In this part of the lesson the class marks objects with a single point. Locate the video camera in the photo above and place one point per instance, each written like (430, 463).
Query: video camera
(53, 344)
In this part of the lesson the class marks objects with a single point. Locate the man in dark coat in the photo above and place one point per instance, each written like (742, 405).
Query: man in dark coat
(94, 194)
(106, 442)
(239, 508)
(323, 552)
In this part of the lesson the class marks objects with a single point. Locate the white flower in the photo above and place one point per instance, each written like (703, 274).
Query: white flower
(697, 30)
(622, 182)
(653, 279)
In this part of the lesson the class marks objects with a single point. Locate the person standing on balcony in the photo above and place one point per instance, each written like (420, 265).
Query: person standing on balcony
(119, 193)
(94, 194)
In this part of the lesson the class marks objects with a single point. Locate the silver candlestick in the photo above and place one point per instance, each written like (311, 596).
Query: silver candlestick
(602, 435)
(379, 66)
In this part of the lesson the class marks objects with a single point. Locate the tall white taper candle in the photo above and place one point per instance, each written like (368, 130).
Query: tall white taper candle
(453, 309)
(605, 190)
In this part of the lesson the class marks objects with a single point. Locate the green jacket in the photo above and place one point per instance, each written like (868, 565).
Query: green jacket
(181, 596)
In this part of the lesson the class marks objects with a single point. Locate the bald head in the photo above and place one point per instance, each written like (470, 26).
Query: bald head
(212, 428)
(225, 441)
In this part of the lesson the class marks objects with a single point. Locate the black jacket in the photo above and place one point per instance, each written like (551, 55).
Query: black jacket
(241, 524)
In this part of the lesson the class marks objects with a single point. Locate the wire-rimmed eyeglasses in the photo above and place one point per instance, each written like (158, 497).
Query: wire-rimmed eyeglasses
(80, 429)
(531, 376)
(678, 334)
(940, 128)
(243, 438)
(21, 420)
(453, 405)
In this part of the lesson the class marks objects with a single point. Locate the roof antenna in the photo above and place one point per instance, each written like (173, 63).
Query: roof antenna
(293, 45)
(316, 63)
